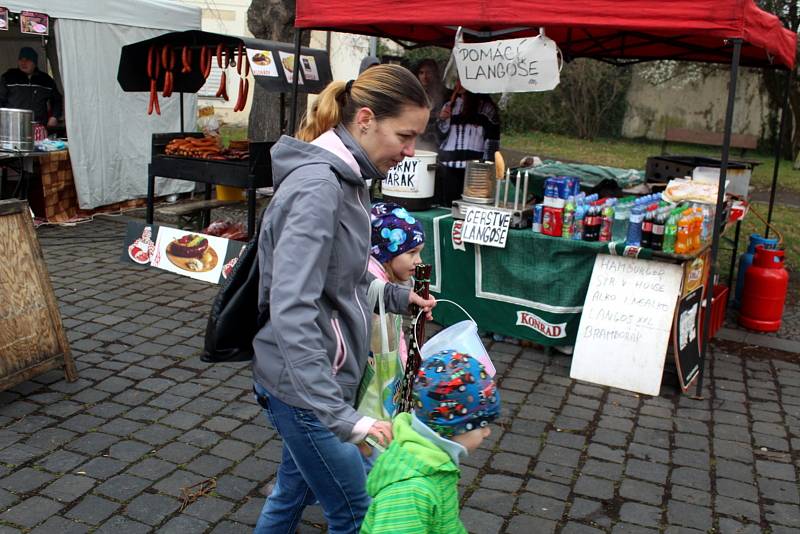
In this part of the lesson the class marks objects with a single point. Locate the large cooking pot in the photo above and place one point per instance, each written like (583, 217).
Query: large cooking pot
(16, 129)
(411, 182)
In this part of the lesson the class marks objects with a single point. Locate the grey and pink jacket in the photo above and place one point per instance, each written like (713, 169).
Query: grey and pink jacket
(313, 252)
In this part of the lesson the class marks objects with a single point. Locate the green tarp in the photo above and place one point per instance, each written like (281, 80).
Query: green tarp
(590, 175)
(532, 289)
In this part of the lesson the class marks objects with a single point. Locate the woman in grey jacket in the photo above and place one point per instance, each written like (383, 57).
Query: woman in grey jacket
(313, 255)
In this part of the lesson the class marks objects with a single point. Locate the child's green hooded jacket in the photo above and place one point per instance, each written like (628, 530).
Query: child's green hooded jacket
(414, 487)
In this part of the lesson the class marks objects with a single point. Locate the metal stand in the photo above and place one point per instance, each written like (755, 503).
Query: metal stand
(295, 78)
(282, 126)
(781, 131)
(734, 251)
(723, 173)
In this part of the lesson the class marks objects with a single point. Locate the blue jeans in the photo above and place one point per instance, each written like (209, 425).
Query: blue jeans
(315, 466)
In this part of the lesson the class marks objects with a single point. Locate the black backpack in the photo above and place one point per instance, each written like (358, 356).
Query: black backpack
(235, 319)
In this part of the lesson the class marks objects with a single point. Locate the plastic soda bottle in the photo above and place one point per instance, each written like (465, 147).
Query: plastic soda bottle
(591, 224)
(698, 228)
(607, 220)
(705, 234)
(683, 238)
(580, 214)
(619, 230)
(670, 231)
(659, 223)
(647, 226)
(634, 237)
(568, 223)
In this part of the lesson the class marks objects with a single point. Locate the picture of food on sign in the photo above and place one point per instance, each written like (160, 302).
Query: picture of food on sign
(261, 59)
(287, 61)
(142, 248)
(192, 252)
(35, 23)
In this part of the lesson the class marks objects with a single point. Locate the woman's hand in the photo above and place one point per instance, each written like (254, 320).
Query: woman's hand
(381, 431)
(426, 305)
(445, 113)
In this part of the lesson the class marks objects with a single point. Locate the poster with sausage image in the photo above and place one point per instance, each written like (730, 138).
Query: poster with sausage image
(190, 254)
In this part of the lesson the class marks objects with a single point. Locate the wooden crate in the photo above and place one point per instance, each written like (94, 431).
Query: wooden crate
(32, 338)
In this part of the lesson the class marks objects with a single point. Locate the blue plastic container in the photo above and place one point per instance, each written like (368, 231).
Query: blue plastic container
(746, 260)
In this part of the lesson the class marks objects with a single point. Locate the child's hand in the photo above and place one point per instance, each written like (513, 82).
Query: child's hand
(382, 431)
(426, 305)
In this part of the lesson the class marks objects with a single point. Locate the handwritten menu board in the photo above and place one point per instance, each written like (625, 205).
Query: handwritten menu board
(625, 326)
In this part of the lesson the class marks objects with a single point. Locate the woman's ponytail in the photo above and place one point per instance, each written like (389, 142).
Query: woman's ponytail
(385, 89)
(324, 113)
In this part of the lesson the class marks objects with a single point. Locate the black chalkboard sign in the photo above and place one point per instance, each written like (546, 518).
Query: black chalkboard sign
(686, 337)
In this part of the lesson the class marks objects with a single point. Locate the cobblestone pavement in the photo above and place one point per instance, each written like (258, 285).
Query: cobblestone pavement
(112, 451)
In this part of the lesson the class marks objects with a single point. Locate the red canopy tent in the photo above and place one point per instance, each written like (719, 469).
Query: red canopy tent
(616, 30)
(735, 32)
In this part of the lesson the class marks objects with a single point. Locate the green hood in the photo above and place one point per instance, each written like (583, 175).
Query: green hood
(410, 455)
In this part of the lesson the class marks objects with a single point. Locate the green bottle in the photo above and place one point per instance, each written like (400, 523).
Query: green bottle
(670, 231)
(568, 218)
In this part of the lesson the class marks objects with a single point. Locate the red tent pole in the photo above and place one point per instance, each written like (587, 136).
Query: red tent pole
(723, 173)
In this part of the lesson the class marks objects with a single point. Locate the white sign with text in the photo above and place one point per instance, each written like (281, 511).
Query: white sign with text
(402, 178)
(626, 322)
(508, 66)
(486, 226)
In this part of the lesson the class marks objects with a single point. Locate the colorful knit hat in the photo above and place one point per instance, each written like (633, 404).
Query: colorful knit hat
(394, 231)
(454, 394)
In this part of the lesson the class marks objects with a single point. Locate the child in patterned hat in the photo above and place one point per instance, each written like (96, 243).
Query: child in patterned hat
(397, 242)
(414, 484)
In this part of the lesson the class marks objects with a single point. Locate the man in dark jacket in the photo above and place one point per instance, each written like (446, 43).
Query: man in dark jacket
(27, 87)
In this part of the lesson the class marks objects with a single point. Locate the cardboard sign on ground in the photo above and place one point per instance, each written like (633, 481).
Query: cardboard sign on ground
(687, 337)
(626, 322)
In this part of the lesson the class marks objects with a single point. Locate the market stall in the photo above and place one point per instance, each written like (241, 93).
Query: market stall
(617, 32)
(179, 63)
(108, 134)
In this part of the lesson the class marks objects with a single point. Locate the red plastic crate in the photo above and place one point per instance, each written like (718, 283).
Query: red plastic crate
(719, 305)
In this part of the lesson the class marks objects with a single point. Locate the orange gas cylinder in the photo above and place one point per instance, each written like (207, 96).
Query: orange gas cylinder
(764, 294)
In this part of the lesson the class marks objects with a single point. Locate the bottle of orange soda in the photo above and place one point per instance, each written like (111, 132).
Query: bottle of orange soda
(683, 237)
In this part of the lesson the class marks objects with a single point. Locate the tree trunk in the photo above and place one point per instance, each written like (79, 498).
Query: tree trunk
(273, 20)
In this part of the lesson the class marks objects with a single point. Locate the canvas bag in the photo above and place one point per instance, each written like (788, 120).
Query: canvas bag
(374, 398)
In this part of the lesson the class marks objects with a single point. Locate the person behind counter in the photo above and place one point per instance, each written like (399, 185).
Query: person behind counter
(470, 127)
(427, 72)
(313, 252)
(26, 87)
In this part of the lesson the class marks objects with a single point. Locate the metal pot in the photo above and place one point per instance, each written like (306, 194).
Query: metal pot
(410, 183)
(16, 130)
